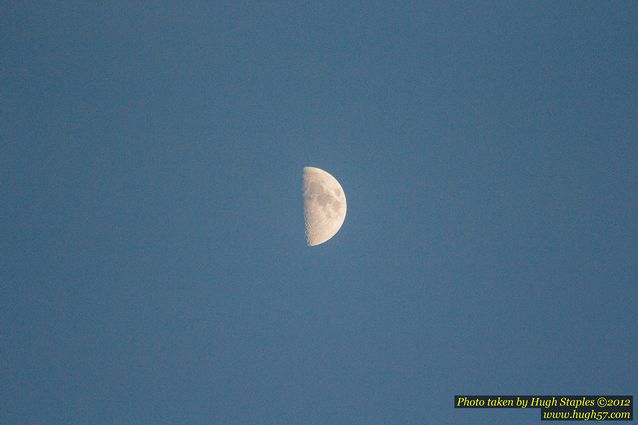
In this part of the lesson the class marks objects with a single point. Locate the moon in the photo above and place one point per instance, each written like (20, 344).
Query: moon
(324, 204)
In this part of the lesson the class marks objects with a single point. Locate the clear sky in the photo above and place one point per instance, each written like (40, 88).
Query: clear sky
(153, 267)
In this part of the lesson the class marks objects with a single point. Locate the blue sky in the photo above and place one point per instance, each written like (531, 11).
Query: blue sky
(153, 263)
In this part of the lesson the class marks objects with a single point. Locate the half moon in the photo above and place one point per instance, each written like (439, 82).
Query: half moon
(324, 204)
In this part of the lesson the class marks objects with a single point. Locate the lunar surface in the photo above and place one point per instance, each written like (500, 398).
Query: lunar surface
(324, 205)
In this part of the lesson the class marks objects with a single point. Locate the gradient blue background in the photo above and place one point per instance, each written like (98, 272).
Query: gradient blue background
(153, 264)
